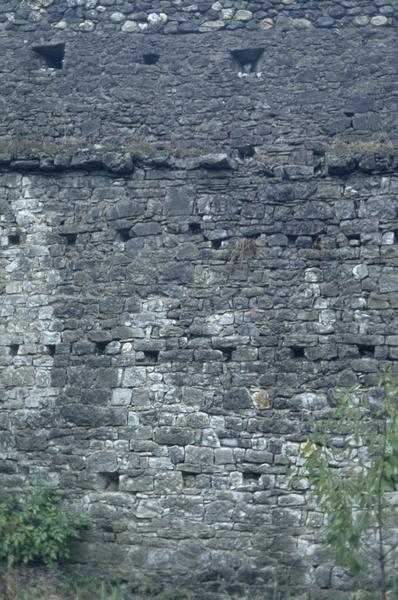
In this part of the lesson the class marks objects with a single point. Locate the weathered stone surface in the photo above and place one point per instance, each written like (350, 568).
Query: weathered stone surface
(243, 15)
(379, 20)
(129, 26)
(179, 202)
(211, 25)
(266, 23)
(198, 245)
(361, 20)
(260, 399)
(325, 22)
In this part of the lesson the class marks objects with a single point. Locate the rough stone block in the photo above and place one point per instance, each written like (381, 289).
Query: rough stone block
(199, 456)
(179, 202)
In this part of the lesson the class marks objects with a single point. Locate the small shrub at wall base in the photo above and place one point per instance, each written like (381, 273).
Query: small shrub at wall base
(359, 498)
(36, 529)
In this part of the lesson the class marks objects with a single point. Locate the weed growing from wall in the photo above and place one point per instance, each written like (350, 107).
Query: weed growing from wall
(36, 529)
(243, 251)
(358, 498)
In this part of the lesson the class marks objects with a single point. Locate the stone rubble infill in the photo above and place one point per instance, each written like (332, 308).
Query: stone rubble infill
(177, 16)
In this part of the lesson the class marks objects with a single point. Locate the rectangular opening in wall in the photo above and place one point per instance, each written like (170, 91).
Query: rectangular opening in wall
(52, 54)
(188, 479)
(14, 348)
(101, 347)
(124, 234)
(354, 237)
(366, 350)
(151, 58)
(227, 352)
(14, 239)
(291, 240)
(247, 60)
(70, 238)
(151, 357)
(108, 481)
(195, 227)
(51, 348)
(216, 244)
(247, 151)
(297, 351)
(250, 478)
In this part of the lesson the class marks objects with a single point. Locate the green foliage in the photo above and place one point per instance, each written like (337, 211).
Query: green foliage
(38, 529)
(352, 465)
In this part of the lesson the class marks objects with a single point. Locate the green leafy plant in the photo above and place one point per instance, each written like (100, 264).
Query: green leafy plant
(352, 464)
(36, 529)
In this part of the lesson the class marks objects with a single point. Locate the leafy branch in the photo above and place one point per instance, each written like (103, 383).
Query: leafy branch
(353, 478)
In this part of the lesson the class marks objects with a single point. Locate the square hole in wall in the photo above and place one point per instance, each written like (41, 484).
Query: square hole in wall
(227, 352)
(247, 61)
(297, 351)
(151, 58)
(70, 238)
(51, 348)
(247, 151)
(124, 234)
(14, 239)
(109, 481)
(195, 227)
(13, 348)
(354, 237)
(151, 356)
(188, 479)
(250, 478)
(52, 55)
(216, 244)
(366, 350)
(101, 347)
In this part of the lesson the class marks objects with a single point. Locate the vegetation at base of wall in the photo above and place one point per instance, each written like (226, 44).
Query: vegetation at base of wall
(72, 583)
(36, 528)
(52, 583)
(351, 461)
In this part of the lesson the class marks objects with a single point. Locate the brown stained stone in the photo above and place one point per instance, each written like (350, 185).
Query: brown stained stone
(378, 301)
(260, 399)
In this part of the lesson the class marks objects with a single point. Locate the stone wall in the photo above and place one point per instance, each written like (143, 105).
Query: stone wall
(300, 82)
(196, 251)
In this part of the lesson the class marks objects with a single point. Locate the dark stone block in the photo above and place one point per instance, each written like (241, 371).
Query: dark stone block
(172, 436)
(277, 193)
(84, 416)
(237, 399)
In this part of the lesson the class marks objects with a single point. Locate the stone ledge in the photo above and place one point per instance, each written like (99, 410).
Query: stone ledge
(367, 156)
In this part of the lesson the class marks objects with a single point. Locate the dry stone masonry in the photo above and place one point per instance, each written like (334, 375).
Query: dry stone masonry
(199, 244)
